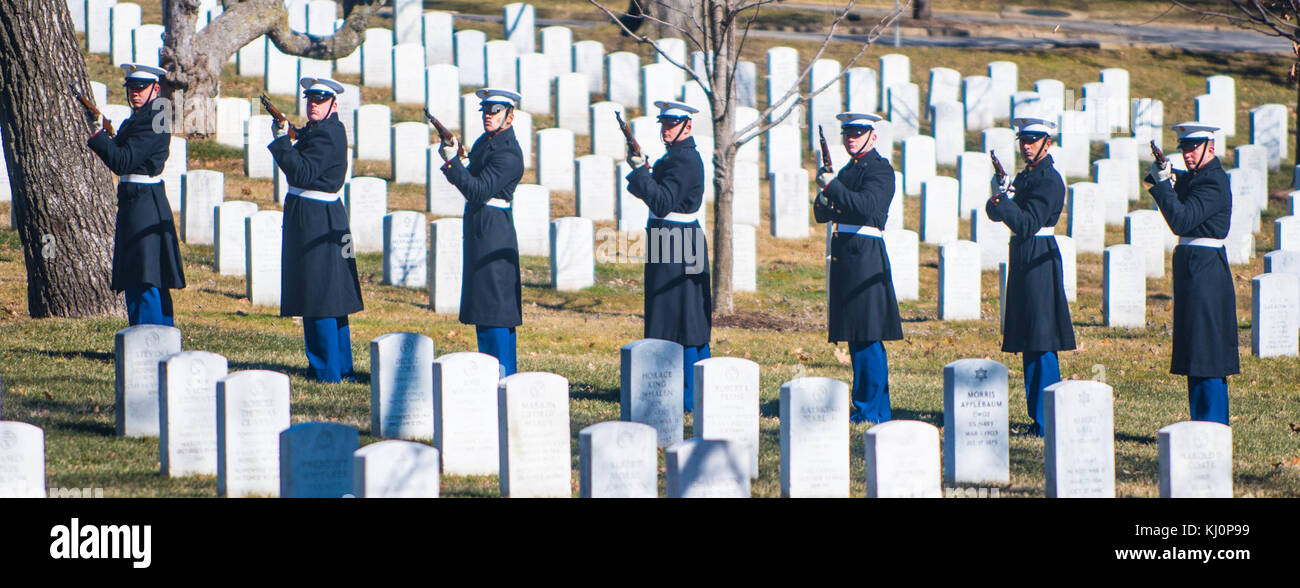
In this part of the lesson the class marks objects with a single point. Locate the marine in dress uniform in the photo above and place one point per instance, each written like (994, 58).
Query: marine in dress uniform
(318, 279)
(146, 255)
(491, 291)
(1197, 204)
(1036, 319)
(678, 299)
(861, 307)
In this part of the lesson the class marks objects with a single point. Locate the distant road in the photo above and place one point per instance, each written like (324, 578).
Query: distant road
(1227, 40)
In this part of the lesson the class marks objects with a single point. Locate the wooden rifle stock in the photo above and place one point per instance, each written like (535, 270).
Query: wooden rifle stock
(634, 148)
(998, 170)
(90, 106)
(277, 115)
(444, 134)
(1158, 154)
(826, 151)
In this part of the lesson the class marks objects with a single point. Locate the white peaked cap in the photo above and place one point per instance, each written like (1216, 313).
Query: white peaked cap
(310, 84)
(1033, 124)
(498, 95)
(675, 109)
(858, 119)
(1195, 130)
(137, 71)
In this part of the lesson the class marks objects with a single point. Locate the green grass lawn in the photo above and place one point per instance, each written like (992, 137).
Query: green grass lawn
(58, 374)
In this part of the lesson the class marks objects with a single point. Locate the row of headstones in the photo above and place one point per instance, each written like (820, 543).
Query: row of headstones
(185, 397)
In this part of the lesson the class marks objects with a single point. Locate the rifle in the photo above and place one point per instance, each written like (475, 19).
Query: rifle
(998, 170)
(1158, 154)
(90, 106)
(633, 148)
(277, 115)
(444, 134)
(826, 151)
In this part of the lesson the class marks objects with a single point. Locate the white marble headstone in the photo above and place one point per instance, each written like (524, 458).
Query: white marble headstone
(137, 351)
(651, 387)
(1079, 443)
(252, 410)
(788, 201)
(445, 263)
(707, 468)
(465, 413)
(533, 432)
(1274, 314)
(1195, 460)
(939, 209)
(959, 281)
(902, 460)
(726, 403)
(316, 460)
(1124, 296)
(975, 422)
(814, 438)
(401, 405)
(903, 248)
(618, 460)
(395, 469)
(22, 460)
(187, 405)
(573, 264)
(405, 255)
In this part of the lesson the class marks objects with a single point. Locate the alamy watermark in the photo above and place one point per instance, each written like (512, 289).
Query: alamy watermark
(683, 245)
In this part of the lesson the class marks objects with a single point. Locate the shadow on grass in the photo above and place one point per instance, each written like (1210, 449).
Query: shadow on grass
(230, 295)
(91, 355)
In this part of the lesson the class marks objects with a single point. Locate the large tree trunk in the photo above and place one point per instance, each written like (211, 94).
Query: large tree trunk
(661, 18)
(193, 60)
(63, 196)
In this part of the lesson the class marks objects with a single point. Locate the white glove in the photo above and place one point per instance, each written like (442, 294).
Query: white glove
(636, 161)
(824, 178)
(1003, 186)
(448, 150)
(1161, 174)
(278, 128)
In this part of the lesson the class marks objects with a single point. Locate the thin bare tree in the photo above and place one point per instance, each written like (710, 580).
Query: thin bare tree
(720, 28)
(1276, 18)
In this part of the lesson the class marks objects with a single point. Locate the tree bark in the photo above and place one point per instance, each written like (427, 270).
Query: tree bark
(722, 97)
(193, 59)
(63, 196)
(663, 18)
(921, 10)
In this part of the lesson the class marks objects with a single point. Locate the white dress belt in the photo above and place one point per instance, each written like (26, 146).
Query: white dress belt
(675, 217)
(497, 203)
(139, 179)
(1046, 232)
(859, 229)
(313, 194)
(1201, 241)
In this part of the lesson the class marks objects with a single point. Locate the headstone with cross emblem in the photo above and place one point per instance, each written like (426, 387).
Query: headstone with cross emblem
(22, 460)
(1195, 460)
(401, 401)
(137, 351)
(533, 433)
(465, 413)
(316, 460)
(1079, 447)
(975, 442)
(618, 459)
(252, 410)
(651, 387)
(187, 403)
(395, 469)
(815, 438)
(902, 460)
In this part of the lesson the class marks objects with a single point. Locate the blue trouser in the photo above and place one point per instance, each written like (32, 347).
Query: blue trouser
(1041, 370)
(690, 355)
(329, 347)
(870, 382)
(499, 342)
(149, 306)
(1208, 398)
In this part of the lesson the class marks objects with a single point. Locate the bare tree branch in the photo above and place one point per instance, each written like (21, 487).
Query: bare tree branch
(756, 128)
(643, 39)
